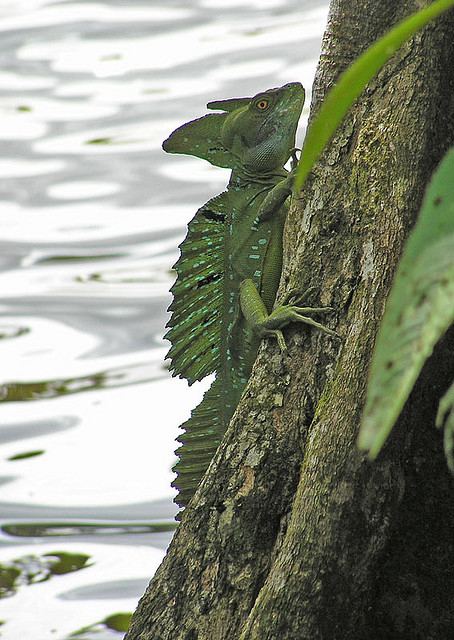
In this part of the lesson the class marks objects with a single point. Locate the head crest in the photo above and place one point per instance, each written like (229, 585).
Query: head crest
(232, 104)
(202, 138)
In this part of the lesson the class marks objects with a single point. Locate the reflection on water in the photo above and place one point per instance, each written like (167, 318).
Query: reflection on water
(33, 569)
(68, 528)
(91, 213)
(134, 374)
(115, 622)
(26, 454)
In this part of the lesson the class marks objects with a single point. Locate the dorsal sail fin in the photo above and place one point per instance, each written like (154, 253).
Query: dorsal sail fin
(195, 324)
(200, 439)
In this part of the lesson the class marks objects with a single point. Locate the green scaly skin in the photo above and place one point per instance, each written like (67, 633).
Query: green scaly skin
(230, 263)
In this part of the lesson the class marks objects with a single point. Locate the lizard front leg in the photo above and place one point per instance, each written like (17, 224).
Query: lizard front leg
(264, 323)
(276, 198)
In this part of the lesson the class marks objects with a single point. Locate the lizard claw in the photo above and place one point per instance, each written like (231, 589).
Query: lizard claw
(294, 296)
(277, 333)
(300, 318)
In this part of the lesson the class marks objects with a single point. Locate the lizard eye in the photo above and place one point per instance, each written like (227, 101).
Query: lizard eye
(262, 104)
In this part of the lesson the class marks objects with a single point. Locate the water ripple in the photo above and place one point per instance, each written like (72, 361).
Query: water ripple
(92, 212)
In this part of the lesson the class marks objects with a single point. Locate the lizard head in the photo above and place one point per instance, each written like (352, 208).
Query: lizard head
(256, 133)
(261, 133)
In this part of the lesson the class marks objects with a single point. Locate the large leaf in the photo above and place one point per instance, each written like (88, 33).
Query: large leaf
(353, 81)
(419, 310)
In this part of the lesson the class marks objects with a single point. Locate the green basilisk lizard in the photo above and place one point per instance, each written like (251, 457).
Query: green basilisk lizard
(230, 263)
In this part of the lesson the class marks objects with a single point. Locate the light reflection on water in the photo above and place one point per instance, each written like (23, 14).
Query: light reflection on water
(91, 213)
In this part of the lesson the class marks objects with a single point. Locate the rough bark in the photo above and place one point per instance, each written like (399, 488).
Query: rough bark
(293, 534)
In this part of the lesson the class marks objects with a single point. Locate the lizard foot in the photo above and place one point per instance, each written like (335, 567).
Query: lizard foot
(287, 313)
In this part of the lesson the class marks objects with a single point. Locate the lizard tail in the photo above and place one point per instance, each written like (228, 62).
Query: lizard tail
(202, 435)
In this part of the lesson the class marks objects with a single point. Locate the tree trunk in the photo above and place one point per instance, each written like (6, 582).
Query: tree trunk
(293, 534)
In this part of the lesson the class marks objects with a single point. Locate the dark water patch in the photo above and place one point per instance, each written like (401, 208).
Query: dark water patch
(113, 141)
(115, 622)
(24, 430)
(46, 389)
(117, 247)
(10, 331)
(79, 258)
(150, 524)
(144, 317)
(4, 480)
(31, 569)
(73, 528)
(115, 278)
(99, 141)
(129, 588)
(26, 454)
(26, 391)
(157, 510)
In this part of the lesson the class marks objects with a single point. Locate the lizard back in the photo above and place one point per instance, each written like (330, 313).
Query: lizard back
(224, 245)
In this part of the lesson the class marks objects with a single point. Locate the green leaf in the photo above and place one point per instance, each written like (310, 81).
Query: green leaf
(419, 310)
(445, 419)
(352, 83)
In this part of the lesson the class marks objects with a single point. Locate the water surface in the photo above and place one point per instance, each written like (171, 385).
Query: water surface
(91, 214)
